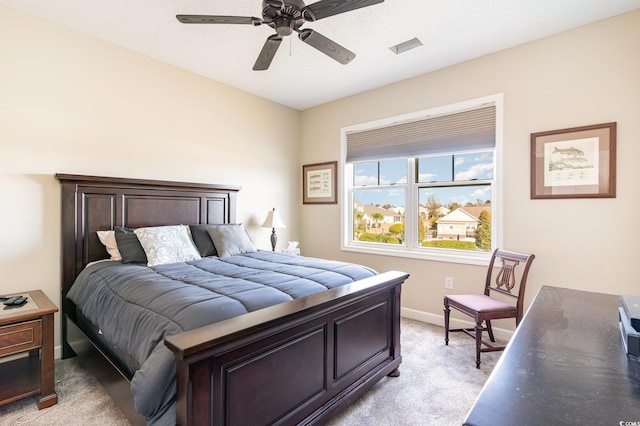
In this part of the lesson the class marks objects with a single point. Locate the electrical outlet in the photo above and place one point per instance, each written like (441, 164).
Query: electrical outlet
(448, 282)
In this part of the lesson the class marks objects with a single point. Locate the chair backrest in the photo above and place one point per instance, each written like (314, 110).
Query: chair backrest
(502, 276)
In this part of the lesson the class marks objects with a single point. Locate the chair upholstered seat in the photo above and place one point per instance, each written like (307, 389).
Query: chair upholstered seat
(501, 279)
(481, 303)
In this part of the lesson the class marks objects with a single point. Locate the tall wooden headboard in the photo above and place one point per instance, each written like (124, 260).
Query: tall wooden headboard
(92, 203)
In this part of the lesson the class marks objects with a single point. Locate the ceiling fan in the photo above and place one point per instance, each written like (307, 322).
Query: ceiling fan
(287, 16)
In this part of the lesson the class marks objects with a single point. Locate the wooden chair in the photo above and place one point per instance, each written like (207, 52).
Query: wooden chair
(501, 278)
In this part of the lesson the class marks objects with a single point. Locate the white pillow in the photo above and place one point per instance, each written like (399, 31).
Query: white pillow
(230, 239)
(108, 239)
(167, 244)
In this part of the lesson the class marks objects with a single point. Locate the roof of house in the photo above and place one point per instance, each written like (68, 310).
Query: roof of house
(476, 210)
(370, 209)
(465, 214)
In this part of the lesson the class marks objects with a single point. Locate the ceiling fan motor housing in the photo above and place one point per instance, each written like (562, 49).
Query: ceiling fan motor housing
(284, 16)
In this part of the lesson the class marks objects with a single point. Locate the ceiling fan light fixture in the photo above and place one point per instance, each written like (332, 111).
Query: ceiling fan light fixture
(405, 46)
(284, 26)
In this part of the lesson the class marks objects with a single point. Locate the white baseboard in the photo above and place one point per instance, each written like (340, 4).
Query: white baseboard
(500, 333)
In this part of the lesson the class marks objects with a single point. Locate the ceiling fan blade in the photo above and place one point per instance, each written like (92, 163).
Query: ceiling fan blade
(267, 53)
(217, 19)
(326, 46)
(325, 8)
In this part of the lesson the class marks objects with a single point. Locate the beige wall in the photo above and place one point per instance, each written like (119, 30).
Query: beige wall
(72, 104)
(586, 76)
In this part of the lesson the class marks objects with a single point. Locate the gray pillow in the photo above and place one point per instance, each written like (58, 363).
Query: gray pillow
(202, 240)
(129, 246)
(230, 239)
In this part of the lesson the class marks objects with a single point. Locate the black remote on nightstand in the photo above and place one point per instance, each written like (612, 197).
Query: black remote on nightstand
(15, 300)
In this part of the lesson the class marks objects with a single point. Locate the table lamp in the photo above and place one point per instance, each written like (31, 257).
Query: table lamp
(273, 221)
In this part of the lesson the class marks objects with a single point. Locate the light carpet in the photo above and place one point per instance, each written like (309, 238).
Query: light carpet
(437, 386)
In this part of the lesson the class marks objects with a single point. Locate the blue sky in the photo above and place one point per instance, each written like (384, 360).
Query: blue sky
(444, 168)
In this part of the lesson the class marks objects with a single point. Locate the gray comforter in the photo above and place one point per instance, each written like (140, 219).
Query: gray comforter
(134, 307)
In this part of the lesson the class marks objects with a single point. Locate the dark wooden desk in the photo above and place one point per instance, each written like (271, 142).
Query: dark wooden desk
(565, 365)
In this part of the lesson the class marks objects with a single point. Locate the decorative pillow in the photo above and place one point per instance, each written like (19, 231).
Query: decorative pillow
(108, 239)
(167, 244)
(230, 239)
(202, 240)
(129, 246)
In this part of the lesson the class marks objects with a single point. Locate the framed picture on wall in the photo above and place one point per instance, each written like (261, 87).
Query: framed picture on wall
(319, 183)
(579, 162)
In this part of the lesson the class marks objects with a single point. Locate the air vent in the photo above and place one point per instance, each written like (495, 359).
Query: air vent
(407, 45)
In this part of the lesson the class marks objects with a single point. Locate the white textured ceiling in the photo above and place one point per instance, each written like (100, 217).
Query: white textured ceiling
(452, 31)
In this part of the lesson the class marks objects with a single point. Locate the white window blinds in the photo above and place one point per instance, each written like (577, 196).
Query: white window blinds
(461, 131)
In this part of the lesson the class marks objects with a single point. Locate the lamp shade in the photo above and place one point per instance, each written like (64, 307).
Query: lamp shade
(273, 220)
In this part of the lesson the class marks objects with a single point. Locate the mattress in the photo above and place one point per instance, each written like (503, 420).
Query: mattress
(133, 307)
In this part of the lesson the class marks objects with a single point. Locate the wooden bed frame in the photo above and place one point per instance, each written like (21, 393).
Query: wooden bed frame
(299, 362)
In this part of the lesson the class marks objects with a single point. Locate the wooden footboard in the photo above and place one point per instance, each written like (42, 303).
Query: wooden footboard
(299, 362)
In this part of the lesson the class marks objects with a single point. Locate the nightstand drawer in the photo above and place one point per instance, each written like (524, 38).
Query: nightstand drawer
(20, 337)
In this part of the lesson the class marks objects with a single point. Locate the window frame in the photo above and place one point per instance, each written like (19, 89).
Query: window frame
(410, 248)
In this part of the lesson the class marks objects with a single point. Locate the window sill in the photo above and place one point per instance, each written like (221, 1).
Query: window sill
(439, 255)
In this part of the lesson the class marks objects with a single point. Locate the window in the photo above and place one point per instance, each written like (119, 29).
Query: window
(379, 200)
(425, 185)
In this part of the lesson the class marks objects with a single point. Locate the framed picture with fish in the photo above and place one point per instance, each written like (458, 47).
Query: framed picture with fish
(579, 162)
(319, 183)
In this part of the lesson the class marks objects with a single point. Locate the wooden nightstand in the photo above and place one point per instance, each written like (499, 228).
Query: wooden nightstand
(28, 328)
